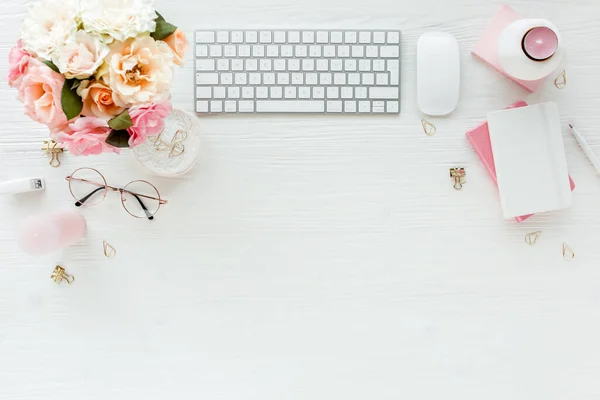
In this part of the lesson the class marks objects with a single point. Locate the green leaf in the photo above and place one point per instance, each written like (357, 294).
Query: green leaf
(163, 28)
(118, 138)
(52, 65)
(70, 100)
(121, 121)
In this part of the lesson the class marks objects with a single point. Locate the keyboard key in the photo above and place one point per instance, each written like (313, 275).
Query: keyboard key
(226, 78)
(336, 37)
(378, 65)
(264, 36)
(237, 65)
(349, 65)
(350, 37)
(272, 50)
(384, 93)
(207, 78)
(322, 37)
(290, 106)
(381, 79)
(393, 67)
(304, 92)
(308, 64)
(393, 37)
(322, 65)
(344, 51)
(244, 51)
(360, 92)
(301, 51)
(269, 78)
(205, 65)
(203, 92)
(205, 37)
(222, 37)
(240, 78)
(390, 51)
(216, 106)
(364, 37)
(219, 92)
(364, 65)
(222, 64)
(262, 92)
(293, 37)
(319, 92)
(254, 78)
(290, 92)
(230, 106)
(333, 93)
(339, 79)
(276, 92)
(237, 37)
(247, 92)
(216, 50)
(308, 37)
(251, 37)
(251, 64)
(379, 37)
(336, 65)
(334, 106)
(230, 50)
(279, 37)
(287, 51)
(358, 51)
(279, 65)
(201, 50)
(354, 79)
(265, 64)
(246, 106)
(329, 51)
(297, 78)
(372, 51)
(325, 78)
(314, 50)
(202, 106)
(364, 106)
(349, 106)
(368, 79)
(294, 64)
(233, 92)
(311, 79)
(392, 106)
(347, 92)
(258, 50)
(283, 78)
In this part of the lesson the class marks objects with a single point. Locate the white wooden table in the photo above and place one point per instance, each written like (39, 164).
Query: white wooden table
(315, 257)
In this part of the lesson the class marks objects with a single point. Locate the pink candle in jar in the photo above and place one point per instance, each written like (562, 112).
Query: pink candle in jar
(540, 43)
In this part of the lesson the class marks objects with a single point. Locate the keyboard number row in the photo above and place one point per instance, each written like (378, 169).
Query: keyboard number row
(288, 51)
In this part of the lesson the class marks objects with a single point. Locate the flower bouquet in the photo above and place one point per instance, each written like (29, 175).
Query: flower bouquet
(96, 72)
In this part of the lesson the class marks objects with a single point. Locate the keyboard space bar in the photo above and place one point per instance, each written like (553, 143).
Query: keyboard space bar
(290, 106)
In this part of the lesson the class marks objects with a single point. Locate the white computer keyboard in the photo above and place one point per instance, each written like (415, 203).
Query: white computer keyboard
(305, 71)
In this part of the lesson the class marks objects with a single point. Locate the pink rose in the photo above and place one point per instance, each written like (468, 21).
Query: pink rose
(18, 61)
(147, 121)
(40, 93)
(85, 136)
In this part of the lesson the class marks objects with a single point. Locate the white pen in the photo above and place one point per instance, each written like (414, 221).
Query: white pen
(586, 148)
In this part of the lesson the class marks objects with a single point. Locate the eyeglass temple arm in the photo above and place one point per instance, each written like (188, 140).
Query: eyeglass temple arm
(80, 202)
(150, 216)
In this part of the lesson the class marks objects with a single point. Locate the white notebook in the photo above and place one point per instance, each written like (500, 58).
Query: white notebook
(530, 160)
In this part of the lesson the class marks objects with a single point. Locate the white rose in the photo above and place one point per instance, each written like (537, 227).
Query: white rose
(119, 19)
(81, 56)
(48, 25)
(139, 71)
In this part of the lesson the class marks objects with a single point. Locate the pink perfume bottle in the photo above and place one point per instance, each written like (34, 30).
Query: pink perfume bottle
(45, 233)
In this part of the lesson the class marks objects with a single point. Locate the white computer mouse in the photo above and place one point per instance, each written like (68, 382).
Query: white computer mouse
(438, 73)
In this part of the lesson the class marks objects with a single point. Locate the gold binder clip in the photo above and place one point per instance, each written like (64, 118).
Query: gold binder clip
(59, 274)
(561, 80)
(51, 148)
(428, 127)
(458, 174)
(109, 251)
(567, 252)
(532, 238)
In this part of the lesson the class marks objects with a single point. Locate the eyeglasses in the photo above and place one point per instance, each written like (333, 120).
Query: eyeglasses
(139, 198)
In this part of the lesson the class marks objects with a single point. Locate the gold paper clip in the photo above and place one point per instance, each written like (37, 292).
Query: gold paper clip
(109, 251)
(458, 174)
(428, 127)
(175, 147)
(561, 80)
(532, 238)
(51, 148)
(59, 274)
(567, 252)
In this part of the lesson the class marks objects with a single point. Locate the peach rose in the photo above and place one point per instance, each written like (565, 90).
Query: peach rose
(98, 100)
(179, 44)
(85, 136)
(40, 92)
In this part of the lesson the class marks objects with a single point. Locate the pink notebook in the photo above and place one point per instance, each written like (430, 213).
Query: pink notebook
(480, 140)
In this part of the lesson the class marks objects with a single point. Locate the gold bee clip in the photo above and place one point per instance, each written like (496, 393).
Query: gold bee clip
(51, 148)
(458, 174)
(59, 274)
